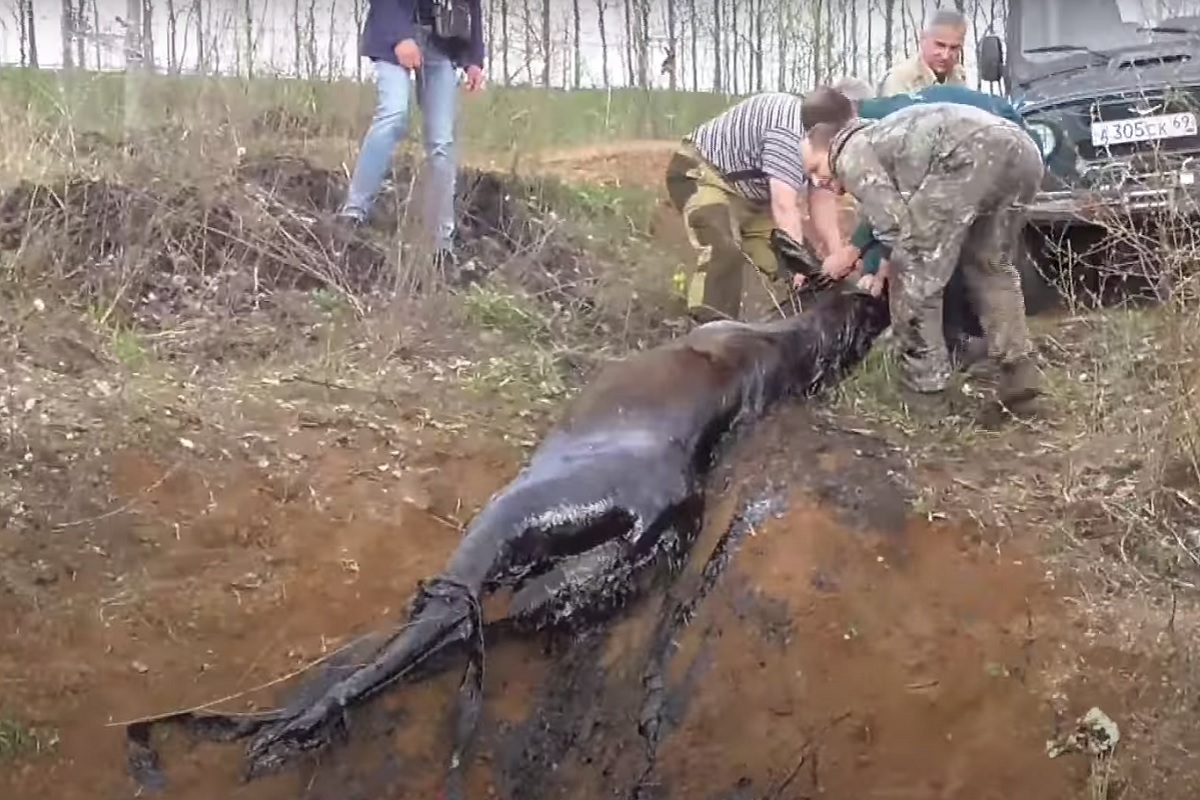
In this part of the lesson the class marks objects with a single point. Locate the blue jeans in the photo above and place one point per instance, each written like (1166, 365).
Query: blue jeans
(437, 93)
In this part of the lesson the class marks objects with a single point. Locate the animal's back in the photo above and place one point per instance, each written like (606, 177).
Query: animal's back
(698, 375)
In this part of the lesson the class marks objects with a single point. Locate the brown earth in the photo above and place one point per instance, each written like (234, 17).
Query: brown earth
(849, 649)
(852, 648)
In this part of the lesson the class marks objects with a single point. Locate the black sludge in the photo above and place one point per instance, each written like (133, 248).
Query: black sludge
(614, 489)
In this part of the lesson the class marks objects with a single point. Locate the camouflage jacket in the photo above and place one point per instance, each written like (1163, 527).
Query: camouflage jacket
(913, 74)
(882, 163)
(881, 107)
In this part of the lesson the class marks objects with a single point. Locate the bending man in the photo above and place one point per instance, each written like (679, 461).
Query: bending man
(734, 179)
(931, 179)
(863, 243)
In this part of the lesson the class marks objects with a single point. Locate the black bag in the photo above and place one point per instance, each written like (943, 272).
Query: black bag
(452, 20)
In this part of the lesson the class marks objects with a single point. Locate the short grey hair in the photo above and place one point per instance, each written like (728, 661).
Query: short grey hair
(946, 18)
(856, 89)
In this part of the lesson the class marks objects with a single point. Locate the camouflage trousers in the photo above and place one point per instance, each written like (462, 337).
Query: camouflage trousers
(970, 216)
(731, 234)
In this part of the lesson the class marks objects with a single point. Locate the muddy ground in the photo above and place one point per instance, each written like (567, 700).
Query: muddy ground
(178, 531)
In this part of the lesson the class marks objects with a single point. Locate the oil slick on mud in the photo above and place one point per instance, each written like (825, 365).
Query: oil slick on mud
(614, 491)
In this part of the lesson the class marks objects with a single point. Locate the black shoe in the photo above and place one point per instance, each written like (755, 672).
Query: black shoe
(350, 221)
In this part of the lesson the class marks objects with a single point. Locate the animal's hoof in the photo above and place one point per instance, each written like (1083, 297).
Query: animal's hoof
(274, 747)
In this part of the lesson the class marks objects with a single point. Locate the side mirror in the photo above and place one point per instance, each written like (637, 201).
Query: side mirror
(991, 58)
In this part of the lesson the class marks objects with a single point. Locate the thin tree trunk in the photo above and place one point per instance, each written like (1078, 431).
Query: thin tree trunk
(601, 8)
(67, 29)
(644, 46)
(81, 24)
(313, 63)
(672, 44)
(692, 26)
(172, 38)
(818, 42)
(870, 45)
(718, 84)
(148, 54)
(331, 53)
(504, 41)
(855, 63)
(201, 53)
(251, 38)
(760, 26)
(297, 38)
(527, 18)
(22, 33)
(96, 27)
(31, 35)
(783, 23)
(734, 42)
(889, 25)
(546, 51)
(577, 35)
(490, 42)
(630, 44)
(360, 14)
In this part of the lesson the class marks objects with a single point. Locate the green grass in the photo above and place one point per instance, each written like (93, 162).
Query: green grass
(19, 739)
(499, 119)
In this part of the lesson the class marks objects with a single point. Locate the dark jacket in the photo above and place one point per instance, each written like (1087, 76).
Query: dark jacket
(390, 22)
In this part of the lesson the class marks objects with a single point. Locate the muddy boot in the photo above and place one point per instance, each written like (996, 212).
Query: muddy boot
(968, 352)
(1019, 383)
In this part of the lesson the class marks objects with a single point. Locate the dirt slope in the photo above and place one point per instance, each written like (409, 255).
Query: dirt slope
(190, 544)
(847, 649)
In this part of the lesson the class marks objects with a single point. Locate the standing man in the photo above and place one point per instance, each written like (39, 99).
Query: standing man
(421, 44)
(938, 58)
(940, 182)
(734, 179)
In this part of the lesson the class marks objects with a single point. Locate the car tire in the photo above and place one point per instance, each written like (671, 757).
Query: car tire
(1041, 293)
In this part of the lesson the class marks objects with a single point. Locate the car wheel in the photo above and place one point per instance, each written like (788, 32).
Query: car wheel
(1040, 292)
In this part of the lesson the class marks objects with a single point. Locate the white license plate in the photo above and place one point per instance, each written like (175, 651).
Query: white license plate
(1143, 129)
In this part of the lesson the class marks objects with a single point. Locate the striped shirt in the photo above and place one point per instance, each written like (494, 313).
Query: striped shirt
(757, 139)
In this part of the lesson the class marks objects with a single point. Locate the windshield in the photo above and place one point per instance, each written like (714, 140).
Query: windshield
(1071, 27)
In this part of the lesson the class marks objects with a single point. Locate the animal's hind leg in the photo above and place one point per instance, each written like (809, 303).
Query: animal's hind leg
(590, 584)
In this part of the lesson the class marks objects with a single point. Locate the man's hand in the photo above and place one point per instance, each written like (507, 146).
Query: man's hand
(840, 262)
(475, 78)
(408, 54)
(875, 284)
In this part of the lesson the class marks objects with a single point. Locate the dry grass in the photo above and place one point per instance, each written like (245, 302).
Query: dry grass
(199, 252)
(1111, 465)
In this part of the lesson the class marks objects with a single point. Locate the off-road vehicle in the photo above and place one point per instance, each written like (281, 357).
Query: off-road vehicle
(1112, 88)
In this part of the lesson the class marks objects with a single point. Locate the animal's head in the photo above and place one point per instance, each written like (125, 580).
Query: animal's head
(833, 335)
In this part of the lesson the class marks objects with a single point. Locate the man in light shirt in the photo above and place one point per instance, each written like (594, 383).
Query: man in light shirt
(938, 58)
